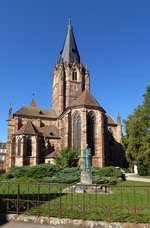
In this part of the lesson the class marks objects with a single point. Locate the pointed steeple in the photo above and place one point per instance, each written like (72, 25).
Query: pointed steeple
(10, 111)
(33, 102)
(119, 119)
(70, 51)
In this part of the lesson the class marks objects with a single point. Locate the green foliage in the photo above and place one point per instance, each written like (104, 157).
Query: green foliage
(16, 172)
(144, 170)
(107, 175)
(57, 174)
(128, 170)
(67, 175)
(136, 142)
(108, 171)
(105, 180)
(42, 170)
(68, 157)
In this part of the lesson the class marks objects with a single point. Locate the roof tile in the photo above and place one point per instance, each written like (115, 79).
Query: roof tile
(28, 129)
(85, 99)
(35, 112)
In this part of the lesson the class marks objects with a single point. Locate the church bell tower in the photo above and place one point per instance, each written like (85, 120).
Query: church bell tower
(70, 77)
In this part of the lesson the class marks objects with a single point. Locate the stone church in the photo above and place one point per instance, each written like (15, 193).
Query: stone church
(36, 135)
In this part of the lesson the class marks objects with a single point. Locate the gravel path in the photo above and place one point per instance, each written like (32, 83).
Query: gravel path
(132, 176)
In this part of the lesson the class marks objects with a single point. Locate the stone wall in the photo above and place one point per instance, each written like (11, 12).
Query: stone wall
(69, 222)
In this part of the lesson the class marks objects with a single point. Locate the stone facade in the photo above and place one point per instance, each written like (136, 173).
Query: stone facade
(2, 155)
(35, 134)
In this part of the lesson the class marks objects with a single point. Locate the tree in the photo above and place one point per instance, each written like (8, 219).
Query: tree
(136, 142)
(68, 157)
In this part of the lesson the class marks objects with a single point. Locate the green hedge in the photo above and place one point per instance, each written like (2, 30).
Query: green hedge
(105, 180)
(40, 171)
(144, 170)
(109, 171)
(57, 174)
(15, 172)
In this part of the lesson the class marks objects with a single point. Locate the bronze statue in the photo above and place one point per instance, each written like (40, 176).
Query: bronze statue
(87, 159)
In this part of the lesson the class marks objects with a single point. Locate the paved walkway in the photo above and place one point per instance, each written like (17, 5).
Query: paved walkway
(30, 225)
(133, 177)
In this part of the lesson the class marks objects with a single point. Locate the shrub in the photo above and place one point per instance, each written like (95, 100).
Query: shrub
(16, 172)
(65, 179)
(105, 180)
(42, 170)
(68, 157)
(109, 171)
(67, 175)
(144, 170)
(128, 170)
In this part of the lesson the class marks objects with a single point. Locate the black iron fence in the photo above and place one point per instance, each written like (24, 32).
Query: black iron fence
(92, 202)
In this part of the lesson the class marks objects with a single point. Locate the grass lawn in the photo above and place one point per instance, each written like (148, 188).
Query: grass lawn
(128, 201)
(133, 183)
(122, 205)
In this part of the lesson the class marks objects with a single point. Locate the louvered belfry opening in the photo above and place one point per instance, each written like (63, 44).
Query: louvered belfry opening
(91, 131)
(77, 131)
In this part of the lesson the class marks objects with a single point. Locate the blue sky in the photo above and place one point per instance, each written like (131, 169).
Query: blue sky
(113, 36)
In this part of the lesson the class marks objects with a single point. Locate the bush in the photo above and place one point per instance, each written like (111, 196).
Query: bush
(128, 170)
(57, 174)
(105, 180)
(109, 171)
(16, 172)
(144, 170)
(43, 170)
(65, 179)
(67, 175)
(68, 157)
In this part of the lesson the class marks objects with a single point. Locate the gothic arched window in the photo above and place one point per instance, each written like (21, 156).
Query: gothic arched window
(77, 131)
(91, 131)
(19, 147)
(29, 147)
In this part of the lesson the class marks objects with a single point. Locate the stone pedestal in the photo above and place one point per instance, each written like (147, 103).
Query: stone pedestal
(86, 177)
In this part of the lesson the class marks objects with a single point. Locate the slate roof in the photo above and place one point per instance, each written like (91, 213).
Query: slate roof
(111, 120)
(31, 111)
(28, 129)
(86, 99)
(52, 154)
(49, 131)
(70, 51)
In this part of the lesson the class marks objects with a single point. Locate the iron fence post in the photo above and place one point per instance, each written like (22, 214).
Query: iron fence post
(38, 203)
(60, 203)
(18, 197)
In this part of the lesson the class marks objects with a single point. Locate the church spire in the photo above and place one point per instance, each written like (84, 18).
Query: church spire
(33, 102)
(70, 51)
(10, 111)
(119, 119)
